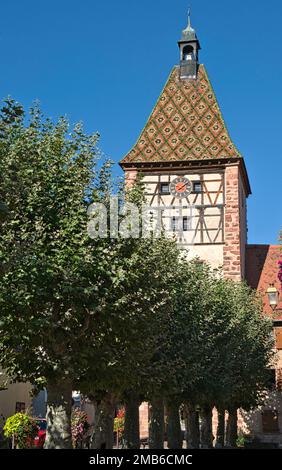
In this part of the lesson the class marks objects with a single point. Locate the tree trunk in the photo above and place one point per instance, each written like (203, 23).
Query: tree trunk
(103, 433)
(231, 428)
(220, 431)
(59, 403)
(192, 426)
(206, 427)
(174, 434)
(131, 422)
(156, 424)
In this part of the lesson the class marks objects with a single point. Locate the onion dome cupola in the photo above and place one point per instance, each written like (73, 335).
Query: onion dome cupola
(189, 46)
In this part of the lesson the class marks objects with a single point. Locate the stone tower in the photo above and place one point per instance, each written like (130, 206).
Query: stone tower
(193, 172)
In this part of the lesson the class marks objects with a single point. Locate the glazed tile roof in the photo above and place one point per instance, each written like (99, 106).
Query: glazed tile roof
(262, 270)
(186, 124)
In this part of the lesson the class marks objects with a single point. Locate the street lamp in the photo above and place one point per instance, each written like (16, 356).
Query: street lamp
(273, 296)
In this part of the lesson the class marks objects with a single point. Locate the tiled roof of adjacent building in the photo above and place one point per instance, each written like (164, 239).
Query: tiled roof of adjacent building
(186, 124)
(262, 271)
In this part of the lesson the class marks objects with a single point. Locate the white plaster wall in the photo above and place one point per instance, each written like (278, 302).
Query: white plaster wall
(211, 253)
(16, 392)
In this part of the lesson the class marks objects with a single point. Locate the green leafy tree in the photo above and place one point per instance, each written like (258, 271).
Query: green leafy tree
(246, 353)
(55, 279)
(216, 351)
(175, 369)
(74, 310)
(234, 341)
(141, 299)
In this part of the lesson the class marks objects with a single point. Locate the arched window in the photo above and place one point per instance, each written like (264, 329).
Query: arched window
(188, 53)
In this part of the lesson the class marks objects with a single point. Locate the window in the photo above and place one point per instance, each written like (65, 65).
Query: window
(165, 188)
(186, 224)
(270, 421)
(176, 224)
(197, 187)
(20, 407)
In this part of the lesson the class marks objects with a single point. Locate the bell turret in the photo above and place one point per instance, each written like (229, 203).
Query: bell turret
(189, 46)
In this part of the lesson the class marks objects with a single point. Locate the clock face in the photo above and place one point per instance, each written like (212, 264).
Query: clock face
(180, 187)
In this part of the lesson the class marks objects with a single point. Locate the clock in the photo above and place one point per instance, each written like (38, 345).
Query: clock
(180, 187)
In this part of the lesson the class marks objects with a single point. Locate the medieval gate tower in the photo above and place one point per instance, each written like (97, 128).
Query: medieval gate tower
(189, 162)
(196, 178)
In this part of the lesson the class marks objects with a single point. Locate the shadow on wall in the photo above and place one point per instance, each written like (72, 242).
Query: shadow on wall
(265, 422)
(255, 261)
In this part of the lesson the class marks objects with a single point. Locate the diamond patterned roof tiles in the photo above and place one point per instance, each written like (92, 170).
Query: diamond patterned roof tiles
(186, 124)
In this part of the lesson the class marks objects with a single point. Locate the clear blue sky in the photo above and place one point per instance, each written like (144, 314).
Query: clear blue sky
(105, 63)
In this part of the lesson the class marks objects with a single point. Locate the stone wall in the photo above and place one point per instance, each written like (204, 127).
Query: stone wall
(232, 263)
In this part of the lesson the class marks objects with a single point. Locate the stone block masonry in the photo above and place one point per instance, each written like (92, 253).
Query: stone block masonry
(232, 249)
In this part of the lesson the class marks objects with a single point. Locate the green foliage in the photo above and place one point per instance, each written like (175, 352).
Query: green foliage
(49, 283)
(137, 305)
(241, 439)
(23, 428)
(218, 345)
(71, 307)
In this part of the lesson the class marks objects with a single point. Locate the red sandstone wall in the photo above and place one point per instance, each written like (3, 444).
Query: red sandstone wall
(243, 224)
(232, 262)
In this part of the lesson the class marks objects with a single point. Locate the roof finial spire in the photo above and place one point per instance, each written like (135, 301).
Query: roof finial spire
(189, 19)
(188, 31)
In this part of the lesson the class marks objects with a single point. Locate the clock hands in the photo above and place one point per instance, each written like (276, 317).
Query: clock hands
(181, 186)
